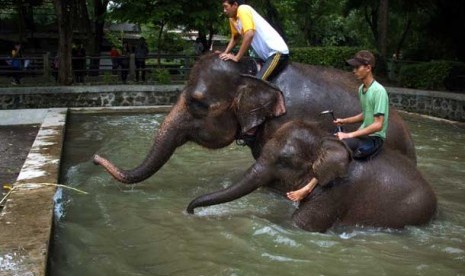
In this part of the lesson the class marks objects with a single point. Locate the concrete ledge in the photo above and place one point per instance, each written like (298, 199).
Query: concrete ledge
(25, 231)
(89, 89)
(439, 104)
(88, 96)
(26, 220)
(22, 116)
(450, 106)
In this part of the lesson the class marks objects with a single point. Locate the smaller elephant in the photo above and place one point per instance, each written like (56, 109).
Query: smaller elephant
(387, 191)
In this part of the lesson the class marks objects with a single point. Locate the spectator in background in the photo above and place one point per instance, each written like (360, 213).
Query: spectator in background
(199, 46)
(16, 63)
(141, 53)
(79, 62)
(115, 60)
(55, 66)
(125, 57)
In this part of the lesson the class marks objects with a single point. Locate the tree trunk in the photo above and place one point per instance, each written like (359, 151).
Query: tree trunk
(404, 36)
(273, 17)
(100, 8)
(383, 27)
(160, 38)
(63, 11)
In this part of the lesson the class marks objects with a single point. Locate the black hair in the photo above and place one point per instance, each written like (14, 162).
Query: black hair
(230, 2)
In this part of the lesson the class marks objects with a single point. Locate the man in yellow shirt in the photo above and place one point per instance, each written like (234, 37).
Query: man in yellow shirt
(258, 33)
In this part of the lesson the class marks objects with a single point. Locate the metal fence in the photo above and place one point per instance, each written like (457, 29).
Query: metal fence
(102, 69)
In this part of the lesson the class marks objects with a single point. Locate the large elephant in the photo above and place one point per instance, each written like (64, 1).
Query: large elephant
(219, 103)
(387, 191)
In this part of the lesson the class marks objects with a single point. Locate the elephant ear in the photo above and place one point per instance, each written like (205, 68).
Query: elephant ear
(333, 160)
(256, 101)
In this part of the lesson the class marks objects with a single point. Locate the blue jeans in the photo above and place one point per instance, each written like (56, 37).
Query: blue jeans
(364, 147)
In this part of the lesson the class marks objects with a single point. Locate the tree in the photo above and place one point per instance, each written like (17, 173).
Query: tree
(203, 16)
(64, 11)
(383, 27)
(272, 15)
(448, 25)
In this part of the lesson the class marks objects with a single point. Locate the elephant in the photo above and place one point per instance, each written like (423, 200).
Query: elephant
(387, 191)
(220, 102)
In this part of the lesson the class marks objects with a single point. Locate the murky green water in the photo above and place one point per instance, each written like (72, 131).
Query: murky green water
(144, 230)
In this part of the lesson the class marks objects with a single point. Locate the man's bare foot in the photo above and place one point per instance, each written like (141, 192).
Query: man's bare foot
(297, 195)
(301, 193)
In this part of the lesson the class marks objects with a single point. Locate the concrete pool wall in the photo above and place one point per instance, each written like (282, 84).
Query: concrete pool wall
(439, 104)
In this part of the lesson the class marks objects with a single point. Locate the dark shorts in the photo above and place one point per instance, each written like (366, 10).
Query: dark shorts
(364, 147)
(272, 66)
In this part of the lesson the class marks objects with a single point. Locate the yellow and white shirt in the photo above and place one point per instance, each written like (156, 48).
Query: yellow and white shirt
(266, 40)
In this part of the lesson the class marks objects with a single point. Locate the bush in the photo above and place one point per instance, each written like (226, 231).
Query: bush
(161, 76)
(326, 56)
(433, 75)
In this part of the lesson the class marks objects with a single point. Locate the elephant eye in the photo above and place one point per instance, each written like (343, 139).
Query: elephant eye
(198, 108)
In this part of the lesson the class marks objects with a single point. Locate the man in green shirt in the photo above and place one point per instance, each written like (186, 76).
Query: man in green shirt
(368, 139)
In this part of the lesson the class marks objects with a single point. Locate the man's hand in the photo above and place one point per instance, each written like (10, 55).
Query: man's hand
(232, 57)
(339, 122)
(343, 135)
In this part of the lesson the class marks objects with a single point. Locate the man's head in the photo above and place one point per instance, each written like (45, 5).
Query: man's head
(230, 7)
(362, 63)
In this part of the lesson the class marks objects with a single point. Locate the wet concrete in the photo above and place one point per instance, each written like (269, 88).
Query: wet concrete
(26, 220)
(15, 144)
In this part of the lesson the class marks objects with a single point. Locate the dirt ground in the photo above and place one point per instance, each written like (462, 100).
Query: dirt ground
(15, 143)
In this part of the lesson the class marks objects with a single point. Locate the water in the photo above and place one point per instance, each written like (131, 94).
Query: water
(144, 230)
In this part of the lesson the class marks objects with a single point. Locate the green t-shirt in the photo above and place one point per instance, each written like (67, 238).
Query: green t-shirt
(375, 102)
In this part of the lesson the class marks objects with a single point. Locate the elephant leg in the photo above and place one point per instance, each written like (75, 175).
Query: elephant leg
(318, 212)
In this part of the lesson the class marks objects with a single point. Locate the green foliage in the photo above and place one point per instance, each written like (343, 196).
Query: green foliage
(327, 56)
(115, 38)
(108, 78)
(433, 75)
(162, 76)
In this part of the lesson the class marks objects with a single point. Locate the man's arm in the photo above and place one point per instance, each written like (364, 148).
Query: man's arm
(376, 126)
(232, 43)
(246, 42)
(350, 120)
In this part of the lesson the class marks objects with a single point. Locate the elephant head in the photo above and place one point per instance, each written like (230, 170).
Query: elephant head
(298, 152)
(216, 105)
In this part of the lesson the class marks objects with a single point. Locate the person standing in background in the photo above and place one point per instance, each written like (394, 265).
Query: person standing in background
(125, 57)
(79, 63)
(141, 53)
(16, 63)
(115, 60)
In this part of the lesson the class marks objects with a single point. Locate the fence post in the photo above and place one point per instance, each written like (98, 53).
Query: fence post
(46, 63)
(187, 66)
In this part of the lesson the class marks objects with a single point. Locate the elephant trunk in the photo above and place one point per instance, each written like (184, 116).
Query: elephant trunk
(254, 178)
(170, 136)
